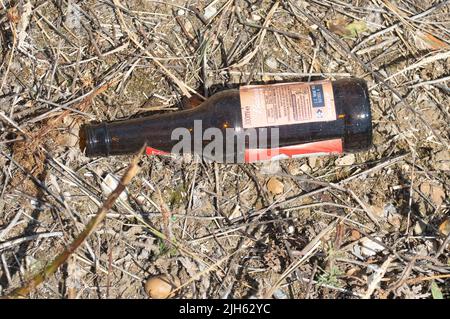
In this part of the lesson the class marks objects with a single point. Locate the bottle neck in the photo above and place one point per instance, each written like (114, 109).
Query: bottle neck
(128, 136)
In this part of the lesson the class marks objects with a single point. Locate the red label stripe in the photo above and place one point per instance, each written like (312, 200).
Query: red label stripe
(322, 147)
(154, 151)
(263, 154)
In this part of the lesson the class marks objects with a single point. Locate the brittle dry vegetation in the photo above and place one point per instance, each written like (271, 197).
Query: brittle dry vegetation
(375, 224)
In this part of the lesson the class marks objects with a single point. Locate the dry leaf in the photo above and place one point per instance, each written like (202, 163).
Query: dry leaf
(435, 192)
(436, 291)
(367, 247)
(337, 26)
(356, 28)
(272, 63)
(13, 15)
(444, 227)
(377, 211)
(442, 160)
(425, 40)
(352, 271)
(305, 168)
(347, 30)
(236, 213)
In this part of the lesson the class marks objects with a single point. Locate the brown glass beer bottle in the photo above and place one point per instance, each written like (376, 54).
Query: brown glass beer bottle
(256, 122)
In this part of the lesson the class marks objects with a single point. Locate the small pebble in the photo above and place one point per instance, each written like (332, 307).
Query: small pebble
(294, 169)
(347, 160)
(355, 235)
(418, 229)
(272, 63)
(278, 78)
(210, 11)
(141, 199)
(305, 168)
(109, 184)
(312, 161)
(291, 229)
(274, 186)
(236, 213)
(270, 167)
(159, 287)
(256, 17)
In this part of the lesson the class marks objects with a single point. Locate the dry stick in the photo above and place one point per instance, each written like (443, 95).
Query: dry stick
(367, 209)
(444, 244)
(306, 253)
(435, 81)
(289, 34)
(10, 59)
(336, 186)
(13, 223)
(422, 34)
(18, 241)
(367, 66)
(425, 278)
(5, 267)
(311, 279)
(279, 201)
(14, 124)
(88, 230)
(246, 59)
(387, 163)
(211, 267)
(34, 179)
(132, 213)
(411, 193)
(191, 198)
(378, 276)
(185, 89)
(38, 183)
(404, 275)
(423, 62)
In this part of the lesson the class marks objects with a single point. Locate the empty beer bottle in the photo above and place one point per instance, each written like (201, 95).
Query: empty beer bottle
(252, 123)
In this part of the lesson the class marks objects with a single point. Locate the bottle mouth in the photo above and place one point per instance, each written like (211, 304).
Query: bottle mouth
(94, 140)
(358, 122)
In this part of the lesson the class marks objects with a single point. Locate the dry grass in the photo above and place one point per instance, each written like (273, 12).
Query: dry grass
(68, 62)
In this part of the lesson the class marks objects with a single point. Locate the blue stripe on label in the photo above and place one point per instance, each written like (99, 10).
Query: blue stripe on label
(317, 95)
